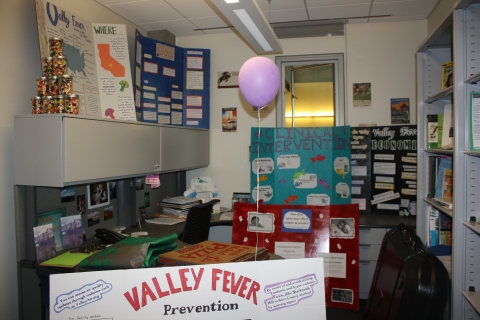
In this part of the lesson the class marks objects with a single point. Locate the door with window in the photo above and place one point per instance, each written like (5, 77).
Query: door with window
(312, 91)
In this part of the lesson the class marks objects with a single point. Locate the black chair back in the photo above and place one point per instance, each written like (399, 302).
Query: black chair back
(197, 224)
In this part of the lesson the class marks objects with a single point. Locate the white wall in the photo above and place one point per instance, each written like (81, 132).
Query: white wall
(380, 53)
(20, 66)
(384, 55)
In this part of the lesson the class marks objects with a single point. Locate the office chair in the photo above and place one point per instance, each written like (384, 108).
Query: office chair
(197, 224)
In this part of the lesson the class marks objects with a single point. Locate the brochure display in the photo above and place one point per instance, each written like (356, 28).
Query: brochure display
(172, 84)
(300, 231)
(280, 289)
(309, 165)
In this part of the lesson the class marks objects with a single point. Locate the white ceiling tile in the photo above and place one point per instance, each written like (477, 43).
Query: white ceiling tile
(209, 22)
(105, 2)
(193, 8)
(170, 25)
(328, 3)
(280, 4)
(402, 8)
(391, 19)
(145, 11)
(337, 12)
(226, 30)
(188, 34)
(286, 15)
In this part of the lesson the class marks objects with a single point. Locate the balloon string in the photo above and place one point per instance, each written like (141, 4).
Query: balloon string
(258, 177)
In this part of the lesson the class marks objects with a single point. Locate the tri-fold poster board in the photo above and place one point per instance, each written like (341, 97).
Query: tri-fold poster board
(302, 231)
(172, 84)
(265, 290)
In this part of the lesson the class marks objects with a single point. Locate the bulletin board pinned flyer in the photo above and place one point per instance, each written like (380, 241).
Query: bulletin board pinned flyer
(266, 290)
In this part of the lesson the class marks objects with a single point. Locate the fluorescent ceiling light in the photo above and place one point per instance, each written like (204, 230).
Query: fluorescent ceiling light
(231, 1)
(248, 22)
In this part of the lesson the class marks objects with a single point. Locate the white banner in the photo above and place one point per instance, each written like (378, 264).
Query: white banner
(277, 289)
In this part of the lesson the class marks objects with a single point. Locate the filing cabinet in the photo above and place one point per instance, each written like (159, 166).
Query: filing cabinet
(370, 243)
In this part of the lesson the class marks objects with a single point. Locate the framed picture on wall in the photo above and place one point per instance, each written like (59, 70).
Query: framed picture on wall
(98, 194)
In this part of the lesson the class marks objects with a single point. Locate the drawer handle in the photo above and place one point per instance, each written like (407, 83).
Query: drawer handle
(364, 262)
(366, 245)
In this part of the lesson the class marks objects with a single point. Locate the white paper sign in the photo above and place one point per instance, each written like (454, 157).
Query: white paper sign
(276, 289)
(335, 264)
(290, 250)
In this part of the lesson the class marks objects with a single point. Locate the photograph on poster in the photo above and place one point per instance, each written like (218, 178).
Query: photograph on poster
(81, 205)
(400, 110)
(260, 222)
(98, 194)
(362, 95)
(67, 195)
(113, 190)
(107, 213)
(342, 228)
(227, 79)
(229, 119)
(342, 295)
(93, 218)
(44, 242)
(72, 231)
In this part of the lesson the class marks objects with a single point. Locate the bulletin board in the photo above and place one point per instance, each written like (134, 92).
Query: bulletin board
(302, 231)
(172, 84)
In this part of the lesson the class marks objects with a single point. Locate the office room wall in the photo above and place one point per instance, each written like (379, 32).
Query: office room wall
(380, 53)
(20, 66)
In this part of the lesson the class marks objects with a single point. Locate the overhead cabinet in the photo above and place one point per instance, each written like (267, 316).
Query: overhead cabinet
(59, 150)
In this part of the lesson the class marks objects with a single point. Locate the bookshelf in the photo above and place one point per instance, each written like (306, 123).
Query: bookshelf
(456, 39)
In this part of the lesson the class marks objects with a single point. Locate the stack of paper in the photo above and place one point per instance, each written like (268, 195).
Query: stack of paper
(178, 206)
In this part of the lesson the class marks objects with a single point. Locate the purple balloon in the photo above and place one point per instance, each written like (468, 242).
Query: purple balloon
(259, 81)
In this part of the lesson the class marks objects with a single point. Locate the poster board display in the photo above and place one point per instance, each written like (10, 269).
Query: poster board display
(265, 290)
(361, 167)
(390, 186)
(98, 88)
(300, 231)
(309, 165)
(172, 84)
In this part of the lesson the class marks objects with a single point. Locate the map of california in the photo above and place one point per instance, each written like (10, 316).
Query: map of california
(108, 62)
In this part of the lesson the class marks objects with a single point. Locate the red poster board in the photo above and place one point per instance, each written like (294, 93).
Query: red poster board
(301, 231)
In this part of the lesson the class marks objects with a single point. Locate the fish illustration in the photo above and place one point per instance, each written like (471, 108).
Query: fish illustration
(324, 183)
(319, 157)
(262, 178)
(298, 174)
(290, 199)
(282, 181)
(340, 172)
(298, 183)
(261, 170)
(268, 194)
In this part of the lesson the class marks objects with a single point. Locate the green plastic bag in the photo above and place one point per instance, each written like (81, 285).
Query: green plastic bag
(131, 253)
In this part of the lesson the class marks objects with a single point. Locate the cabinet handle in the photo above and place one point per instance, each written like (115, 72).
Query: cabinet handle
(364, 262)
(365, 229)
(366, 245)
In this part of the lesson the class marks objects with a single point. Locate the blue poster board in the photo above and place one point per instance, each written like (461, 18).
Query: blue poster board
(172, 84)
(301, 165)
